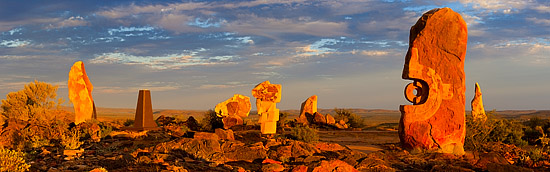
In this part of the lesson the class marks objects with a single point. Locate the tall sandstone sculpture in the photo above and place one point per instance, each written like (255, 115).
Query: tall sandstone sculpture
(478, 111)
(435, 63)
(233, 110)
(80, 93)
(144, 112)
(308, 107)
(267, 96)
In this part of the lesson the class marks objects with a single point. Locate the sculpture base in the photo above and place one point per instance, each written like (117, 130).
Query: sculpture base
(269, 127)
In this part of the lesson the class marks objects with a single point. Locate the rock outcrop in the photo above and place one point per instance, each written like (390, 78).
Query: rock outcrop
(330, 119)
(267, 96)
(80, 93)
(309, 107)
(478, 111)
(435, 63)
(233, 110)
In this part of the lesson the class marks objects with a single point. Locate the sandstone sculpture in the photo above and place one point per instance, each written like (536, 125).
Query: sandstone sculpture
(233, 109)
(144, 112)
(309, 107)
(267, 96)
(435, 63)
(80, 93)
(478, 112)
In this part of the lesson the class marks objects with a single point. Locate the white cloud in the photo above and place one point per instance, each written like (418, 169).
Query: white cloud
(70, 22)
(503, 6)
(15, 43)
(171, 61)
(542, 8)
(209, 22)
(130, 29)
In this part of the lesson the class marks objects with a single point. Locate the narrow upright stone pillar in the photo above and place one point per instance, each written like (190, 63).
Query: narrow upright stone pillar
(435, 64)
(144, 112)
(478, 111)
(80, 93)
(267, 96)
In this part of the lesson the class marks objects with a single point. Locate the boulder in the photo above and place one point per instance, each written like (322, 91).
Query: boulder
(334, 166)
(192, 124)
(435, 64)
(267, 96)
(225, 134)
(80, 93)
(238, 151)
(230, 121)
(319, 118)
(308, 107)
(478, 111)
(206, 135)
(330, 119)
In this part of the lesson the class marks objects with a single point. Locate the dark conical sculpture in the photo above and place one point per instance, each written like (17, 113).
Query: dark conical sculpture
(144, 112)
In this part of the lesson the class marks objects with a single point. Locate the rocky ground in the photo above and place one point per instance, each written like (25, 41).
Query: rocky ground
(246, 150)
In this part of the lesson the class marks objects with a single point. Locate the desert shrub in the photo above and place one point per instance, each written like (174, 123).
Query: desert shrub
(496, 130)
(211, 121)
(72, 139)
(352, 119)
(536, 154)
(128, 122)
(282, 121)
(304, 133)
(11, 160)
(33, 101)
(106, 130)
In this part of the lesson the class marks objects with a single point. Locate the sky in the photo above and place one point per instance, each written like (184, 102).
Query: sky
(196, 54)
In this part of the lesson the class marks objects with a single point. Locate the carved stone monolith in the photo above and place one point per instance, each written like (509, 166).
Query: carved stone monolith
(144, 112)
(435, 63)
(267, 96)
(308, 107)
(478, 111)
(233, 110)
(80, 93)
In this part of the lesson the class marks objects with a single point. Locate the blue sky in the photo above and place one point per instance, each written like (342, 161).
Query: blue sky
(195, 54)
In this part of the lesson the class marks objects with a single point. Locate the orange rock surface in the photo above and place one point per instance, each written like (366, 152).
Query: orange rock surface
(267, 96)
(80, 93)
(233, 109)
(435, 63)
(309, 106)
(478, 111)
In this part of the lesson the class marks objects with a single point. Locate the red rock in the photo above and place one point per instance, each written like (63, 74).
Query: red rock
(330, 119)
(230, 121)
(80, 93)
(323, 146)
(319, 118)
(206, 135)
(270, 161)
(233, 109)
(272, 168)
(300, 168)
(478, 111)
(308, 107)
(334, 166)
(435, 62)
(225, 134)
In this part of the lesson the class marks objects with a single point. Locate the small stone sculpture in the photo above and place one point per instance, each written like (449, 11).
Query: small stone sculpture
(233, 110)
(144, 112)
(80, 93)
(267, 96)
(478, 112)
(435, 63)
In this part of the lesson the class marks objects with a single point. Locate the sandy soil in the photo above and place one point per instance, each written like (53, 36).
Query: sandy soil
(363, 141)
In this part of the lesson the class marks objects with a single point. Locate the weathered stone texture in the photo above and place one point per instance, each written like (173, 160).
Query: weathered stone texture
(267, 96)
(308, 107)
(233, 109)
(478, 111)
(80, 93)
(144, 112)
(435, 62)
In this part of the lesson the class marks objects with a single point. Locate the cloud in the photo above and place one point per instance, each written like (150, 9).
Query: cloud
(504, 6)
(70, 22)
(209, 22)
(163, 62)
(153, 86)
(15, 43)
(222, 86)
(542, 8)
(545, 22)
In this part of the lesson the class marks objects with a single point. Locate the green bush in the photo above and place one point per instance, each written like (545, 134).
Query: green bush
(352, 119)
(128, 122)
(72, 139)
(211, 121)
(304, 133)
(493, 130)
(11, 160)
